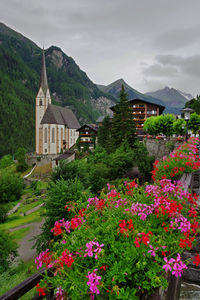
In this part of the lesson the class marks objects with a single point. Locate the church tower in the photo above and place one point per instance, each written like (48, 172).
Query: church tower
(43, 99)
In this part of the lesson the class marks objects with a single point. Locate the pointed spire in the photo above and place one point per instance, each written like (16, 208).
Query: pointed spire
(43, 76)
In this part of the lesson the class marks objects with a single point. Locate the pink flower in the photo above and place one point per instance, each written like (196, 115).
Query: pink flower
(176, 266)
(93, 248)
(152, 251)
(167, 266)
(93, 282)
(59, 294)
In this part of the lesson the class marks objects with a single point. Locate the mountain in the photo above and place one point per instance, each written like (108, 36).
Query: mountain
(171, 97)
(114, 89)
(20, 64)
(186, 95)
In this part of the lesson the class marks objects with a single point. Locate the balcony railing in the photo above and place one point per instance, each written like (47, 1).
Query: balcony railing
(26, 286)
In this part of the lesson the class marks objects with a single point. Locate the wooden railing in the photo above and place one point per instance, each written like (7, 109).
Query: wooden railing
(26, 286)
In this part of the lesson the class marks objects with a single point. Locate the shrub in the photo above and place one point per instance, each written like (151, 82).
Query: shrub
(143, 161)
(6, 161)
(121, 245)
(194, 122)
(98, 176)
(75, 169)
(8, 250)
(184, 159)
(162, 124)
(59, 194)
(20, 155)
(11, 186)
(179, 126)
(120, 161)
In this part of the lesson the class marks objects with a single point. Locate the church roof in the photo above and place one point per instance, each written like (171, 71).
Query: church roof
(60, 115)
(43, 75)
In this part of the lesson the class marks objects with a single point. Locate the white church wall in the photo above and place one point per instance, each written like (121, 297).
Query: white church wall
(73, 136)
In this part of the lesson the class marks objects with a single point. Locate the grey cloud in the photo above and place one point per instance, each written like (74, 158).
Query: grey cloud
(158, 70)
(189, 65)
(176, 71)
(112, 39)
(177, 38)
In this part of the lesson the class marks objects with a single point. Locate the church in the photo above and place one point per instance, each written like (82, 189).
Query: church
(55, 126)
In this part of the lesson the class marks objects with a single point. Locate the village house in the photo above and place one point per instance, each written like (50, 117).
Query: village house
(141, 110)
(88, 136)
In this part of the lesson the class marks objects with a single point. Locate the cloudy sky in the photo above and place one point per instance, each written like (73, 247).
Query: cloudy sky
(148, 43)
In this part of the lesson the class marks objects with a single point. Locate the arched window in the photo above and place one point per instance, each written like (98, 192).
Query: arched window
(45, 135)
(53, 135)
(40, 102)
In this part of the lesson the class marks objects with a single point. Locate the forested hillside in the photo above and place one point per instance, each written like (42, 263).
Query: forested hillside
(20, 64)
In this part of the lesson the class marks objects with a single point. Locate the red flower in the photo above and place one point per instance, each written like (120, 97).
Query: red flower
(137, 244)
(196, 260)
(103, 267)
(40, 290)
(66, 258)
(122, 224)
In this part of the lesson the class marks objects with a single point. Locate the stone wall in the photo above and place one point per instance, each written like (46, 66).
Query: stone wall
(40, 160)
(160, 148)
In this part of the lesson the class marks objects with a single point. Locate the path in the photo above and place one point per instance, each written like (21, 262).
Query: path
(30, 172)
(15, 208)
(25, 250)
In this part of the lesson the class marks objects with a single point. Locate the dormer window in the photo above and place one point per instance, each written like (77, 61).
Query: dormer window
(40, 102)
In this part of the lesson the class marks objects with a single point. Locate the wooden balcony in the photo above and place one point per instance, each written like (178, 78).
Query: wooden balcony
(85, 134)
(86, 142)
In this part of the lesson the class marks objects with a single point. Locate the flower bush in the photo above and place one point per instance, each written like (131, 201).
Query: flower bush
(123, 244)
(184, 159)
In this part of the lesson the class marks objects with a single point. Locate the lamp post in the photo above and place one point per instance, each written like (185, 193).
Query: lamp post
(187, 111)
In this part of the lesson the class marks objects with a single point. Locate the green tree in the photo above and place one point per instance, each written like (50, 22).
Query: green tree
(166, 124)
(104, 134)
(143, 161)
(75, 169)
(162, 124)
(6, 161)
(120, 161)
(179, 126)
(151, 125)
(123, 127)
(194, 104)
(194, 122)
(8, 250)
(59, 194)
(20, 155)
(98, 176)
(11, 186)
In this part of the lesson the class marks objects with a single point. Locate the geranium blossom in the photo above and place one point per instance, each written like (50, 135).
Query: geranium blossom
(93, 282)
(93, 248)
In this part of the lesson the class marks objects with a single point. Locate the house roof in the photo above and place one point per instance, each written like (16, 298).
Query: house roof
(94, 127)
(65, 155)
(161, 107)
(60, 115)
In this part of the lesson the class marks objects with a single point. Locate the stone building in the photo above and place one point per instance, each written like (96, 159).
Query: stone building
(55, 126)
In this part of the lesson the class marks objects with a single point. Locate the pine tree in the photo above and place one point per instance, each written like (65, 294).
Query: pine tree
(104, 134)
(123, 127)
